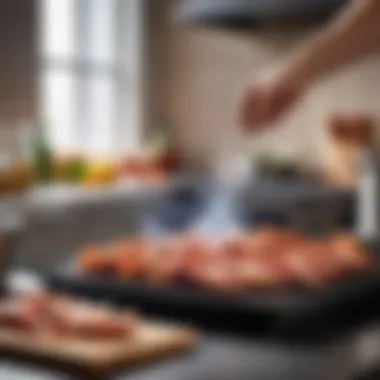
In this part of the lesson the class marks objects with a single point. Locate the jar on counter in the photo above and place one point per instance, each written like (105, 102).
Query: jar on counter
(349, 134)
(16, 172)
(357, 132)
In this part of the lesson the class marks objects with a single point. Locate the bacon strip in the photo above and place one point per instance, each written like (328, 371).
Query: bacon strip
(46, 314)
(263, 259)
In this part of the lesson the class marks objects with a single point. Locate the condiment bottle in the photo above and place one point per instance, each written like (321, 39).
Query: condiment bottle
(368, 180)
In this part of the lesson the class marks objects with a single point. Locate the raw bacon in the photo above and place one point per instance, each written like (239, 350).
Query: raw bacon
(267, 258)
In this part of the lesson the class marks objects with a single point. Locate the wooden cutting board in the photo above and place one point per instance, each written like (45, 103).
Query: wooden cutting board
(98, 358)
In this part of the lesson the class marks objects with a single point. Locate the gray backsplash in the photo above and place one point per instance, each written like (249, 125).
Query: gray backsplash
(51, 238)
(52, 234)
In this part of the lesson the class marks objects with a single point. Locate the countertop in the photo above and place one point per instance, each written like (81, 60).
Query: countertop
(225, 358)
(228, 357)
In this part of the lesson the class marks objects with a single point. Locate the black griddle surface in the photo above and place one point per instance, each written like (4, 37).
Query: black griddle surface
(309, 313)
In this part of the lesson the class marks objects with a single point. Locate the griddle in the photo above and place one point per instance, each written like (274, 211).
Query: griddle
(293, 313)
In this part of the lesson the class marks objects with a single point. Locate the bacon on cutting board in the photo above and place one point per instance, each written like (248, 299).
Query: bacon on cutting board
(56, 316)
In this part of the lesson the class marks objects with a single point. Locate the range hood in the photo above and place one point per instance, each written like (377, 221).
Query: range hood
(245, 14)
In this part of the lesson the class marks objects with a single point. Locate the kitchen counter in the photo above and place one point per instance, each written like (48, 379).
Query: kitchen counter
(225, 358)
(228, 357)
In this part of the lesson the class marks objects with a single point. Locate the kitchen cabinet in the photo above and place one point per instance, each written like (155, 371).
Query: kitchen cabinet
(18, 63)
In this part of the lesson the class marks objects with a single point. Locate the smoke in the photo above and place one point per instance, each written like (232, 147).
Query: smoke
(220, 216)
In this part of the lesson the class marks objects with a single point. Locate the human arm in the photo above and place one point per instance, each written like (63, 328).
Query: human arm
(353, 34)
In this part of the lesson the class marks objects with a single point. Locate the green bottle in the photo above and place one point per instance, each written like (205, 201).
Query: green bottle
(43, 160)
(75, 170)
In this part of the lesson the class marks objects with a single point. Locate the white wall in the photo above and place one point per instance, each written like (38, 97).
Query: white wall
(202, 71)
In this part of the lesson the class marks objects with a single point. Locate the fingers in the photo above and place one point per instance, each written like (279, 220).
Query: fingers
(263, 104)
(262, 109)
(244, 109)
(251, 110)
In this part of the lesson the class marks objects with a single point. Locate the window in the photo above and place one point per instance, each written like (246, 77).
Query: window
(91, 74)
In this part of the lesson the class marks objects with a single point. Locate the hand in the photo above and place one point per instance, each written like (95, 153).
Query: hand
(265, 101)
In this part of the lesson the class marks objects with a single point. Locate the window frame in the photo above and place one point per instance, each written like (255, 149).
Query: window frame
(129, 83)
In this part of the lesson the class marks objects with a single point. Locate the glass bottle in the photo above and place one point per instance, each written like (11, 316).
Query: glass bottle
(368, 183)
(368, 194)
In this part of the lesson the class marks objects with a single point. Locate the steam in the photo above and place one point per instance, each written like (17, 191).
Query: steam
(220, 217)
